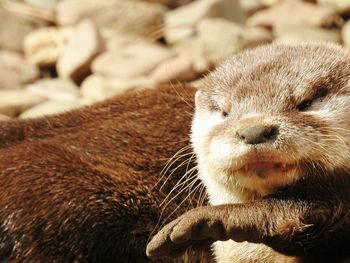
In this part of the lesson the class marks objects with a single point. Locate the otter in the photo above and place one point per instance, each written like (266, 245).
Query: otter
(86, 185)
(271, 133)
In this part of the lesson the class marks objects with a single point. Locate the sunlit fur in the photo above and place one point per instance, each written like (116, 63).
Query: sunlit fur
(265, 86)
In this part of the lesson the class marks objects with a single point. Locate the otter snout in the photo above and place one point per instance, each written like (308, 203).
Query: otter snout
(257, 134)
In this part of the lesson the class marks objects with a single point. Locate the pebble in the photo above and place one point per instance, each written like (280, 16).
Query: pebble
(133, 60)
(341, 6)
(295, 12)
(180, 22)
(42, 47)
(97, 88)
(13, 29)
(179, 68)
(134, 17)
(83, 46)
(15, 70)
(50, 108)
(55, 89)
(296, 34)
(14, 102)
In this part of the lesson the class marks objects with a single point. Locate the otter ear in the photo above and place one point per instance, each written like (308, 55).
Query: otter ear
(197, 96)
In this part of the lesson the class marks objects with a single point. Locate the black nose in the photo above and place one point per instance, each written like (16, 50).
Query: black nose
(257, 134)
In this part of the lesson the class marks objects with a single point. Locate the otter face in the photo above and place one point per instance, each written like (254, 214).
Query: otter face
(269, 116)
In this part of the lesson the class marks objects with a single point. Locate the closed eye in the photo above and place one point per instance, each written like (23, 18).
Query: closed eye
(306, 104)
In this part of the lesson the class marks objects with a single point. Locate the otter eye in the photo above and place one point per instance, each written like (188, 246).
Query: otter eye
(224, 114)
(305, 105)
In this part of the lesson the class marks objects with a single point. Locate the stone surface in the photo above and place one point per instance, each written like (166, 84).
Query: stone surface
(13, 29)
(97, 88)
(294, 12)
(221, 38)
(83, 46)
(342, 6)
(250, 7)
(45, 4)
(13, 102)
(255, 36)
(55, 89)
(4, 117)
(179, 68)
(114, 15)
(345, 34)
(180, 22)
(133, 60)
(15, 71)
(295, 34)
(50, 108)
(43, 46)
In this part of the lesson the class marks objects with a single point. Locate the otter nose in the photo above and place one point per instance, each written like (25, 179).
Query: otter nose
(257, 134)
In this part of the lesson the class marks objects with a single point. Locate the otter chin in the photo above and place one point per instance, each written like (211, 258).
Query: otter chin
(271, 137)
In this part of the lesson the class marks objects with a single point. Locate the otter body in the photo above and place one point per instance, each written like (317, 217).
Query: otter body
(271, 134)
(77, 187)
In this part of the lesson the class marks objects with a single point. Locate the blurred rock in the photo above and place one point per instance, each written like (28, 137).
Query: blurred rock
(221, 38)
(342, 6)
(294, 12)
(4, 117)
(97, 88)
(83, 46)
(302, 33)
(133, 60)
(133, 17)
(179, 68)
(15, 71)
(196, 52)
(45, 4)
(13, 102)
(170, 3)
(50, 108)
(345, 33)
(13, 29)
(255, 36)
(180, 22)
(55, 89)
(42, 47)
(250, 7)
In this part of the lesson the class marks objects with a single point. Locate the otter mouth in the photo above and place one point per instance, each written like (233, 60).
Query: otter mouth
(265, 168)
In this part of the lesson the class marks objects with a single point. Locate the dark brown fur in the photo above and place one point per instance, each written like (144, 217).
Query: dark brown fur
(77, 187)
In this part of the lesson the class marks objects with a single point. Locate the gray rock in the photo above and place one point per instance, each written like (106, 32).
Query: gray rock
(15, 70)
(83, 46)
(133, 60)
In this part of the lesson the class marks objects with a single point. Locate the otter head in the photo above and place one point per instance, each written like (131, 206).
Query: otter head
(269, 116)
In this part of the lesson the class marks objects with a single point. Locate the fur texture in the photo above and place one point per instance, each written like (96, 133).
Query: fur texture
(78, 187)
(292, 180)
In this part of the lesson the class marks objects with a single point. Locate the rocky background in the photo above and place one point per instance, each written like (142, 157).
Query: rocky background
(56, 55)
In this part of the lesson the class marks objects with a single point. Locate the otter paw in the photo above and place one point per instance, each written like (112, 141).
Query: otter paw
(198, 229)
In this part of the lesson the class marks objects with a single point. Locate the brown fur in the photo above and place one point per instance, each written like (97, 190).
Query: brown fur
(301, 211)
(77, 187)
